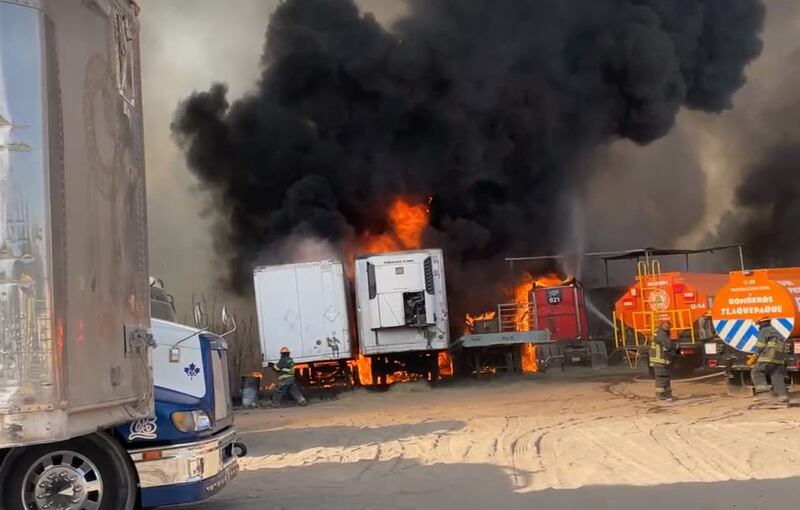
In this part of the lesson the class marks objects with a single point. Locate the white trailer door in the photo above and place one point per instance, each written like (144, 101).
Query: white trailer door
(279, 318)
(323, 315)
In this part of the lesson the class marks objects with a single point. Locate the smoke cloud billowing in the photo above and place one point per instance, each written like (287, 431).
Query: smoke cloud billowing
(487, 106)
(175, 36)
(765, 211)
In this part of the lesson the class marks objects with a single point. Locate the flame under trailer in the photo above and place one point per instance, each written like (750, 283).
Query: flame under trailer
(494, 344)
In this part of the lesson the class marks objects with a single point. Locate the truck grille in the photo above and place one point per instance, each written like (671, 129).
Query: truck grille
(222, 389)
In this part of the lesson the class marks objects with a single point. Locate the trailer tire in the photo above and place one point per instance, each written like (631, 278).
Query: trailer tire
(94, 469)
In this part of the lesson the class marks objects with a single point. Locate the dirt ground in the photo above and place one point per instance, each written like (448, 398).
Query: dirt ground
(580, 440)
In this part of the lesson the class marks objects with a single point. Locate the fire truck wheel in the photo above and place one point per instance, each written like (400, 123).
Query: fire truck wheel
(86, 473)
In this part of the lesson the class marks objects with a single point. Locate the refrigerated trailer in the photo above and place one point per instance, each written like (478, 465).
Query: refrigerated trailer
(401, 310)
(306, 307)
(78, 425)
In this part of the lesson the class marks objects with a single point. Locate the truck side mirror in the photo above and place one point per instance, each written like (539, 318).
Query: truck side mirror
(175, 355)
(229, 321)
(198, 315)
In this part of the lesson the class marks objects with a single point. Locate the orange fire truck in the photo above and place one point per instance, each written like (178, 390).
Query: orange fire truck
(684, 298)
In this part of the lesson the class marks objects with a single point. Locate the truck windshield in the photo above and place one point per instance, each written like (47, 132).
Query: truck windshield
(162, 304)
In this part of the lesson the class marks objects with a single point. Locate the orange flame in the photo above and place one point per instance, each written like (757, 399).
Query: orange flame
(469, 320)
(400, 377)
(380, 244)
(522, 297)
(445, 364)
(551, 280)
(366, 377)
(530, 362)
(407, 224)
(364, 366)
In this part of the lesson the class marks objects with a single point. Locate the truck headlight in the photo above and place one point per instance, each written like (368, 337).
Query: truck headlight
(191, 421)
(710, 348)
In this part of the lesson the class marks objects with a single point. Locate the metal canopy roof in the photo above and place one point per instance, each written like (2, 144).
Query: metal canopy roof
(641, 253)
(630, 254)
(658, 252)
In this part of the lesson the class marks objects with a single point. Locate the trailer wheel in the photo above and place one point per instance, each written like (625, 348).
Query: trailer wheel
(86, 473)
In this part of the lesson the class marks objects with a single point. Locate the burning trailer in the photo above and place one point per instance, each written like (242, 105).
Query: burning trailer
(746, 297)
(306, 308)
(682, 297)
(401, 310)
(523, 335)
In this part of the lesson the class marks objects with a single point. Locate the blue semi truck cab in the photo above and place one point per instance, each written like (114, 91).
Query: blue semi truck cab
(188, 450)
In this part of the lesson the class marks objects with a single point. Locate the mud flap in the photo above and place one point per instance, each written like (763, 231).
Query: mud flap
(598, 354)
(550, 355)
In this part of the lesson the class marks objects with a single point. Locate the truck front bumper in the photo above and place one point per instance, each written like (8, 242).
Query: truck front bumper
(719, 355)
(185, 473)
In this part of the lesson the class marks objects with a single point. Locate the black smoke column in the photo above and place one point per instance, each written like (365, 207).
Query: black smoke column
(484, 105)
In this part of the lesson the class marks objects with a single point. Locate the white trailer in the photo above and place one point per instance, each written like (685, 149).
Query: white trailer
(78, 426)
(305, 307)
(401, 302)
(74, 297)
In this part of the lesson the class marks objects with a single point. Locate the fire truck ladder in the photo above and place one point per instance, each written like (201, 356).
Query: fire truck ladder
(645, 321)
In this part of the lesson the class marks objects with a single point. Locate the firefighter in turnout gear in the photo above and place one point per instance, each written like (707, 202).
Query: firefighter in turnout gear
(771, 351)
(661, 351)
(286, 382)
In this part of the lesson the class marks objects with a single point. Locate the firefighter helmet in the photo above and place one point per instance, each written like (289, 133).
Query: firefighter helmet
(763, 319)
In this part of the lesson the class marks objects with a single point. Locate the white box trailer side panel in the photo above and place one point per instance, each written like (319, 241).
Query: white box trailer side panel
(74, 297)
(306, 308)
(401, 302)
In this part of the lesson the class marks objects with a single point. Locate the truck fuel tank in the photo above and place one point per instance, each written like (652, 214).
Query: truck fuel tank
(749, 295)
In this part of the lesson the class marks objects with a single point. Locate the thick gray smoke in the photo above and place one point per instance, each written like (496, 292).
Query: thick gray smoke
(765, 213)
(487, 106)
